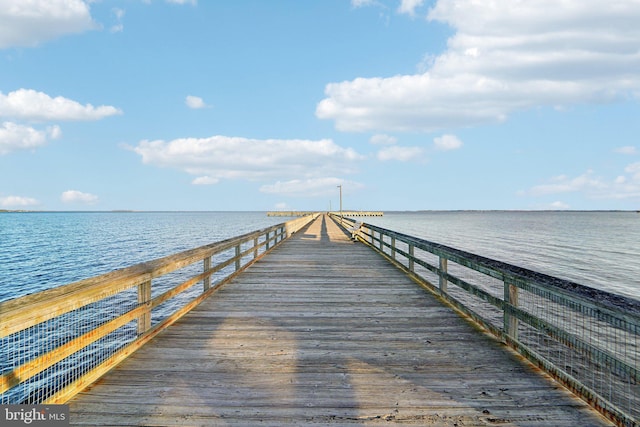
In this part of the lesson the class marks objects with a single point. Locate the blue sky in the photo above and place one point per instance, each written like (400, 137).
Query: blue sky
(268, 105)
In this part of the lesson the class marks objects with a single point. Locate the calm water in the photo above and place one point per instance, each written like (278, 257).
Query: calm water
(596, 249)
(44, 250)
(41, 250)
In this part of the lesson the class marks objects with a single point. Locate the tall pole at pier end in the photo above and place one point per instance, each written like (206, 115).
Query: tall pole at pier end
(340, 187)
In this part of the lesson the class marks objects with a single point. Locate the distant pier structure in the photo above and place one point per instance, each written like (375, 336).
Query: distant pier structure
(343, 213)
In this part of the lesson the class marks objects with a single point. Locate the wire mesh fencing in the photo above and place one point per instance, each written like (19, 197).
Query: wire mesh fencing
(585, 338)
(55, 343)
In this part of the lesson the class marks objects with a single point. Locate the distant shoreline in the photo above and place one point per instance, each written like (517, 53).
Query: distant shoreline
(386, 211)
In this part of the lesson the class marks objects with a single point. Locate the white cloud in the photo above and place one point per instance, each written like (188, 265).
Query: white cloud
(409, 6)
(565, 184)
(17, 202)
(194, 102)
(28, 104)
(14, 137)
(221, 157)
(314, 187)
(382, 139)
(205, 180)
(118, 27)
(54, 132)
(31, 22)
(558, 205)
(361, 3)
(74, 196)
(629, 149)
(447, 142)
(398, 153)
(634, 170)
(505, 56)
(623, 186)
(282, 206)
(191, 2)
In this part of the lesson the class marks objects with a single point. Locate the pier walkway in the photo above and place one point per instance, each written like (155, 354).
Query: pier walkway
(324, 331)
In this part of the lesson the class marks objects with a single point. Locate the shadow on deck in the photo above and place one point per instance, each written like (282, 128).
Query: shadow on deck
(325, 331)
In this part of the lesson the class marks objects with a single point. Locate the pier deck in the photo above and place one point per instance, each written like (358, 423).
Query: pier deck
(349, 214)
(325, 331)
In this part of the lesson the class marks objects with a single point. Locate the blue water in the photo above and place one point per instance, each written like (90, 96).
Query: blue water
(41, 250)
(44, 250)
(596, 249)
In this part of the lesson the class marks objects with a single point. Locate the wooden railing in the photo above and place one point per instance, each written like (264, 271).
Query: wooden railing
(344, 213)
(56, 342)
(586, 338)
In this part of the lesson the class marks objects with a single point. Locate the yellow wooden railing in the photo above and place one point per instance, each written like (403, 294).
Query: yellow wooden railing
(55, 343)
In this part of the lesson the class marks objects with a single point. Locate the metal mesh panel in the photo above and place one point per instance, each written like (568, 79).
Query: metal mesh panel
(35, 345)
(593, 349)
(610, 345)
(39, 362)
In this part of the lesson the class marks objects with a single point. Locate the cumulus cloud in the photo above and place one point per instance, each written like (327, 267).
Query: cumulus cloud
(558, 205)
(54, 132)
(629, 149)
(118, 27)
(191, 2)
(29, 23)
(313, 187)
(360, 3)
(205, 180)
(222, 157)
(14, 137)
(17, 202)
(565, 184)
(28, 104)
(505, 56)
(195, 102)
(281, 206)
(409, 6)
(447, 143)
(402, 154)
(624, 186)
(74, 196)
(634, 170)
(382, 139)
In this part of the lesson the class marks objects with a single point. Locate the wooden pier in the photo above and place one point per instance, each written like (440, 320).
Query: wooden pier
(323, 331)
(349, 214)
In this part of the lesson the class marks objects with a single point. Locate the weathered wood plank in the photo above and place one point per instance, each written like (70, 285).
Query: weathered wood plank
(324, 331)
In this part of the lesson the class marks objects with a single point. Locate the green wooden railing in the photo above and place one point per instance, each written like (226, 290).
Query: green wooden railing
(586, 338)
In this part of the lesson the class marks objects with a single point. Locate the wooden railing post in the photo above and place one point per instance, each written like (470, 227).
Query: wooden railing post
(411, 257)
(207, 280)
(255, 248)
(511, 300)
(442, 281)
(267, 240)
(51, 349)
(393, 247)
(144, 297)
